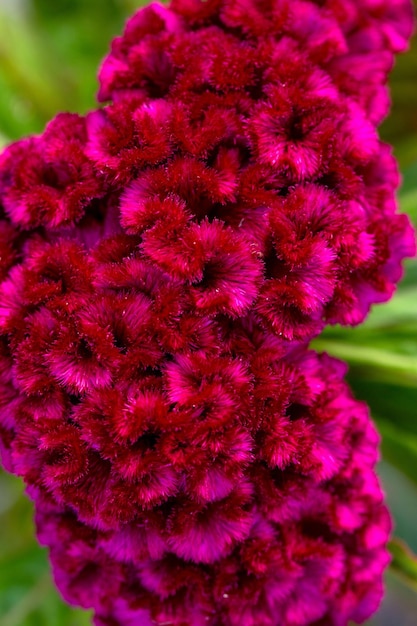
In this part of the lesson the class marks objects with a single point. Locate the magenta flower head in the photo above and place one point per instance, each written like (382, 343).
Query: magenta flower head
(164, 263)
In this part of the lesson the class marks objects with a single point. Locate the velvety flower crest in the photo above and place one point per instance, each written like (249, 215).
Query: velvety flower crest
(165, 261)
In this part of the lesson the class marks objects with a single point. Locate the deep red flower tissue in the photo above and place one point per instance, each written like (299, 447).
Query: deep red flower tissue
(164, 263)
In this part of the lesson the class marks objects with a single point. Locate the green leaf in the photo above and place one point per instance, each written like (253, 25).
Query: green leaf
(409, 183)
(391, 402)
(408, 191)
(399, 447)
(404, 562)
(28, 596)
(379, 363)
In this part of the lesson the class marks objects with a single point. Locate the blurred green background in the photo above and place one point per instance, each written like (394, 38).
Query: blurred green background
(49, 54)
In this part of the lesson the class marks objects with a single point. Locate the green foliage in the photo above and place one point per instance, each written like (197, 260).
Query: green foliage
(49, 54)
(27, 594)
(404, 561)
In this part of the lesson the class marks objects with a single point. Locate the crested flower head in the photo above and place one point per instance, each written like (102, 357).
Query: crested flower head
(164, 262)
(218, 489)
(240, 155)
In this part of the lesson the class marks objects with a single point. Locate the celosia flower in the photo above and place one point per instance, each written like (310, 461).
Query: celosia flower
(224, 491)
(164, 262)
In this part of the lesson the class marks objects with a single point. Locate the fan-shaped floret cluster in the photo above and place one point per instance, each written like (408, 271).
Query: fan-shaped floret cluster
(164, 262)
(217, 489)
